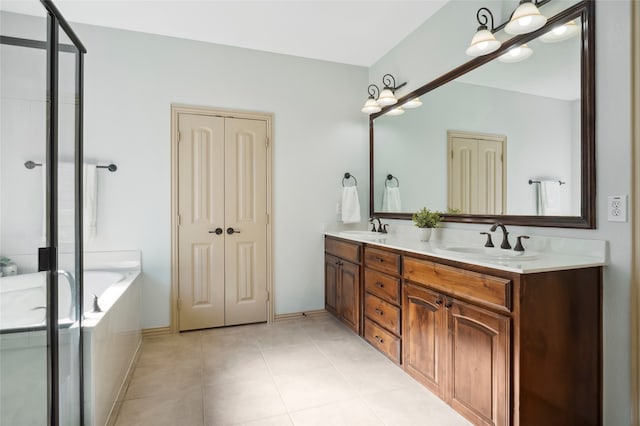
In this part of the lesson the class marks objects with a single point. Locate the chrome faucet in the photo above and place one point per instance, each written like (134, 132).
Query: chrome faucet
(505, 235)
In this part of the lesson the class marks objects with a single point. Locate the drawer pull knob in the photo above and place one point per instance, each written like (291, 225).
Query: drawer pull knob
(378, 339)
(379, 284)
(379, 259)
(379, 312)
(438, 301)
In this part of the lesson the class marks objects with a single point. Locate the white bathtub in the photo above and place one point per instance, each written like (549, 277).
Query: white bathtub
(111, 339)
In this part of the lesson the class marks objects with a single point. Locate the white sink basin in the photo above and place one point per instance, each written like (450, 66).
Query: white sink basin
(487, 253)
(363, 235)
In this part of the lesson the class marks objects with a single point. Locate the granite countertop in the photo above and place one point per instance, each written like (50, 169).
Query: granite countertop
(542, 253)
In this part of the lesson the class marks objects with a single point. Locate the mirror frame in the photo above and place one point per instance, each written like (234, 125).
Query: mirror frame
(585, 10)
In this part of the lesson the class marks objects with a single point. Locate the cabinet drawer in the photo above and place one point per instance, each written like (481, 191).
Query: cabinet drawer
(484, 289)
(384, 313)
(348, 251)
(384, 341)
(383, 286)
(382, 260)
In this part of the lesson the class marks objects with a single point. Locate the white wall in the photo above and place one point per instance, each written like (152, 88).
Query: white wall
(421, 57)
(131, 79)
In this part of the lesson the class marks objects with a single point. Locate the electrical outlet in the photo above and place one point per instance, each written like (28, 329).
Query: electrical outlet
(617, 208)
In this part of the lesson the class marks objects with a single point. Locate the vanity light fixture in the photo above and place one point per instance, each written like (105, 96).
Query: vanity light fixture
(396, 111)
(371, 106)
(388, 94)
(483, 42)
(378, 99)
(516, 54)
(525, 19)
(413, 103)
(561, 33)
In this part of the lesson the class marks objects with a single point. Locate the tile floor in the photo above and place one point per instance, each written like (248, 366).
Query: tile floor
(311, 371)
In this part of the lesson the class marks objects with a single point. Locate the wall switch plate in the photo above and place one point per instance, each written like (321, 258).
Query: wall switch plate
(617, 208)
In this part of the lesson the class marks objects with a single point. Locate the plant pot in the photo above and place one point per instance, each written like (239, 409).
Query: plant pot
(424, 234)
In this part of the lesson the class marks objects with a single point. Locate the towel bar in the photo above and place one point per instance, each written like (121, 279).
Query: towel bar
(30, 165)
(531, 182)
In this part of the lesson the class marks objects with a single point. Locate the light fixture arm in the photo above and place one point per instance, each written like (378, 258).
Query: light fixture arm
(374, 91)
(483, 16)
(390, 82)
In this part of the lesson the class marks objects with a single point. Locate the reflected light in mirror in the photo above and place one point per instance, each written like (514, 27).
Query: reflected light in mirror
(561, 33)
(413, 103)
(396, 111)
(516, 54)
(525, 19)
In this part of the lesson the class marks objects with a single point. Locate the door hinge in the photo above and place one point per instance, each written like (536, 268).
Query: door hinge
(266, 142)
(452, 154)
(267, 218)
(178, 220)
(178, 136)
(268, 296)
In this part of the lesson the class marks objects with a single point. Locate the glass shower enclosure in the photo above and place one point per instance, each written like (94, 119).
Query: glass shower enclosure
(41, 86)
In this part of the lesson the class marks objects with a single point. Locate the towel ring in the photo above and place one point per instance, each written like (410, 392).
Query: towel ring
(348, 175)
(391, 178)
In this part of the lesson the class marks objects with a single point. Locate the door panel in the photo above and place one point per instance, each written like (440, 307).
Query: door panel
(331, 270)
(479, 364)
(201, 211)
(424, 337)
(490, 182)
(245, 214)
(348, 295)
(462, 172)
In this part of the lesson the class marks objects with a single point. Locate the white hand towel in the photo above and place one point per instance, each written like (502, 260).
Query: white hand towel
(550, 197)
(66, 203)
(90, 201)
(350, 205)
(391, 200)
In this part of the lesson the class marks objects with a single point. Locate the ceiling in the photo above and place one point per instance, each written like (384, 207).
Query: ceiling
(355, 32)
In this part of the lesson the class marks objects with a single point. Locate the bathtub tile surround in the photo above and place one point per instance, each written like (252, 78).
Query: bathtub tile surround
(309, 371)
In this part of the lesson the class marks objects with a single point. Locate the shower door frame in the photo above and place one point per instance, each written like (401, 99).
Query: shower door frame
(48, 256)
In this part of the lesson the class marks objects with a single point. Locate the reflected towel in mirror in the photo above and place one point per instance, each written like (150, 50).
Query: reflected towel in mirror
(350, 205)
(391, 199)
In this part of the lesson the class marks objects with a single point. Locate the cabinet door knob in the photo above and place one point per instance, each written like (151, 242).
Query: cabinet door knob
(379, 284)
(448, 304)
(379, 312)
(378, 339)
(438, 301)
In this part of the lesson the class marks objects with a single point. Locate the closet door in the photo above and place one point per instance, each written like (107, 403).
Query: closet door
(246, 221)
(201, 213)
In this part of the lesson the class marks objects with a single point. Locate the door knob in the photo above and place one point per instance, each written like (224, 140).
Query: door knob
(232, 231)
(218, 231)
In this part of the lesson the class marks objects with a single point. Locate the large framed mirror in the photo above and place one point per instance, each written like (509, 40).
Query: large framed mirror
(496, 139)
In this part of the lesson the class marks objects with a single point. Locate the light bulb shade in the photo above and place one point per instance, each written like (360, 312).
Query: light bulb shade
(561, 33)
(371, 106)
(413, 103)
(525, 19)
(483, 43)
(396, 111)
(387, 97)
(516, 54)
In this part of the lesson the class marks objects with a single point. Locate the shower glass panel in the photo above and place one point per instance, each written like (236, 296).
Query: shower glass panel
(40, 217)
(69, 274)
(23, 302)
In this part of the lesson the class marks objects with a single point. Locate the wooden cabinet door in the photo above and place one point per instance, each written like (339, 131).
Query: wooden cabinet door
(349, 295)
(331, 277)
(478, 372)
(424, 337)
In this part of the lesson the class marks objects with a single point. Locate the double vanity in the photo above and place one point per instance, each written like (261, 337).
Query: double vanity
(504, 337)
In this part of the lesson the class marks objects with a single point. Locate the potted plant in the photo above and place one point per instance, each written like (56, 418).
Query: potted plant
(426, 220)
